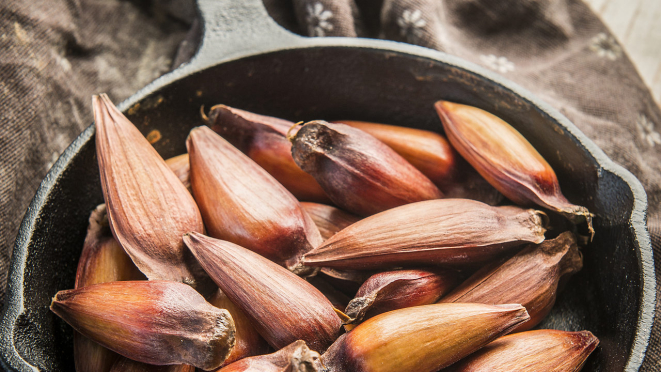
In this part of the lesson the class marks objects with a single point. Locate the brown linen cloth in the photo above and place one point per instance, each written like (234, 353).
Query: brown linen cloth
(54, 54)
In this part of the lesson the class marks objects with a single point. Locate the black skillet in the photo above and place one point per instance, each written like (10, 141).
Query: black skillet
(246, 60)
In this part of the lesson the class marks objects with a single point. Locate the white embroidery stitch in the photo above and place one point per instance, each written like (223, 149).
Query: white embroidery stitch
(647, 132)
(411, 24)
(500, 64)
(318, 20)
(605, 46)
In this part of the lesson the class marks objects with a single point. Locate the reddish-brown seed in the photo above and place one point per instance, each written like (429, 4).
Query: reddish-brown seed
(533, 351)
(446, 231)
(432, 155)
(128, 365)
(359, 173)
(102, 260)
(181, 167)
(328, 219)
(506, 159)
(392, 290)
(243, 204)
(296, 357)
(248, 341)
(430, 152)
(155, 322)
(263, 139)
(422, 338)
(282, 306)
(530, 278)
(149, 209)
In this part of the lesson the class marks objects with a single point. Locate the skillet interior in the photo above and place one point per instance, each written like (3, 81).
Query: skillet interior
(335, 83)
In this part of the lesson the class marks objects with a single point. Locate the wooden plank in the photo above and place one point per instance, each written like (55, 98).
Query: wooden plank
(620, 15)
(597, 5)
(635, 23)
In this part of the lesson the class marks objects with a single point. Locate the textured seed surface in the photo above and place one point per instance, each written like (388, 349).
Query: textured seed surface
(282, 306)
(533, 351)
(422, 338)
(128, 365)
(429, 152)
(447, 231)
(296, 357)
(359, 173)
(530, 278)
(243, 204)
(392, 290)
(155, 322)
(102, 260)
(263, 139)
(506, 159)
(149, 209)
(181, 167)
(248, 341)
(432, 155)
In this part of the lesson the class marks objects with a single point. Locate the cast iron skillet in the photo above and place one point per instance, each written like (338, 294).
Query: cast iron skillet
(246, 60)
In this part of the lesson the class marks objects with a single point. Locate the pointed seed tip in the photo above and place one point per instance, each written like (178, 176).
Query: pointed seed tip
(523, 312)
(588, 338)
(197, 129)
(220, 105)
(106, 100)
(192, 132)
(100, 96)
(191, 236)
(97, 102)
(442, 104)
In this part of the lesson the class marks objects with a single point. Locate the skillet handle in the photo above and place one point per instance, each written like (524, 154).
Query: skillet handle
(233, 28)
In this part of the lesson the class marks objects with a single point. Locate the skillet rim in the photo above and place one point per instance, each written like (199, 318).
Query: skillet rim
(14, 301)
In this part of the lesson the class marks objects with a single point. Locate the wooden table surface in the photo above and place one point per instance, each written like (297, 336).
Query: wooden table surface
(637, 25)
